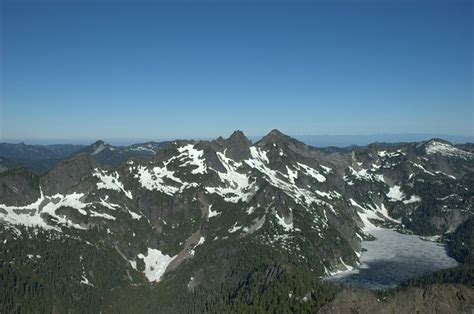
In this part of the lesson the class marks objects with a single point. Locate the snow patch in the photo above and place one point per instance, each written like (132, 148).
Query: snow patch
(154, 179)
(194, 158)
(32, 215)
(326, 169)
(155, 264)
(101, 215)
(395, 194)
(101, 147)
(373, 212)
(212, 213)
(363, 174)
(412, 199)
(287, 223)
(236, 228)
(86, 281)
(292, 174)
(201, 241)
(250, 210)
(312, 172)
(390, 154)
(110, 181)
(237, 185)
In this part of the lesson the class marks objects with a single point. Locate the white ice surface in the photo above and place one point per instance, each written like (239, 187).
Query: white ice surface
(394, 257)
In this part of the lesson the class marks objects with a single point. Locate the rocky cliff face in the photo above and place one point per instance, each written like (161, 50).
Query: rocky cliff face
(18, 187)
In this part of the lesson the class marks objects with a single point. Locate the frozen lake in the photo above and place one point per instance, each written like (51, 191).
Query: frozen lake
(392, 258)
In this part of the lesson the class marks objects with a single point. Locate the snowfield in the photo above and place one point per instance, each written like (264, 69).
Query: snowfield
(155, 264)
(36, 213)
(395, 193)
(32, 215)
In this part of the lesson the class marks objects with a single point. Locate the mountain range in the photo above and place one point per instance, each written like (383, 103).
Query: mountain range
(213, 226)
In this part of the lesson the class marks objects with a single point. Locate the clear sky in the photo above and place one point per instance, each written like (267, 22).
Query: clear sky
(84, 69)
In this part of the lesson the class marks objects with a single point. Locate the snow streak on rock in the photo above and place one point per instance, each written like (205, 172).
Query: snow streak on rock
(236, 186)
(193, 157)
(33, 215)
(110, 181)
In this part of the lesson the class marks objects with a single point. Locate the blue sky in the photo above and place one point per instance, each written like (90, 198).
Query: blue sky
(84, 70)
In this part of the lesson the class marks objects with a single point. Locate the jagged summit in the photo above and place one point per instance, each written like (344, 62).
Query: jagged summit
(238, 136)
(237, 146)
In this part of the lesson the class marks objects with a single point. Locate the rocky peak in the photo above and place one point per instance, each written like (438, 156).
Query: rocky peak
(98, 143)
(18, 187)
(237, 146)
(238, 137)
(275, 133)
(276, 137)
(98, 147)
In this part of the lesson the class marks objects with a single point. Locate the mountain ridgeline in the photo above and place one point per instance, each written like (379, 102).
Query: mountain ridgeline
(216, 226)
(43, 158)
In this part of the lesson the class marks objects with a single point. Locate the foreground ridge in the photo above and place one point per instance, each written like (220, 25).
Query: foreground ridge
(168, 218)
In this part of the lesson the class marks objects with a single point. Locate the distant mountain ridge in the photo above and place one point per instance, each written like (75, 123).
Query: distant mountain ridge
(22, 151)
(364, 140)
(43, 158)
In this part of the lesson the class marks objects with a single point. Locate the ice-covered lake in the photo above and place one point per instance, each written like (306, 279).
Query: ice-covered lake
(392, 258)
